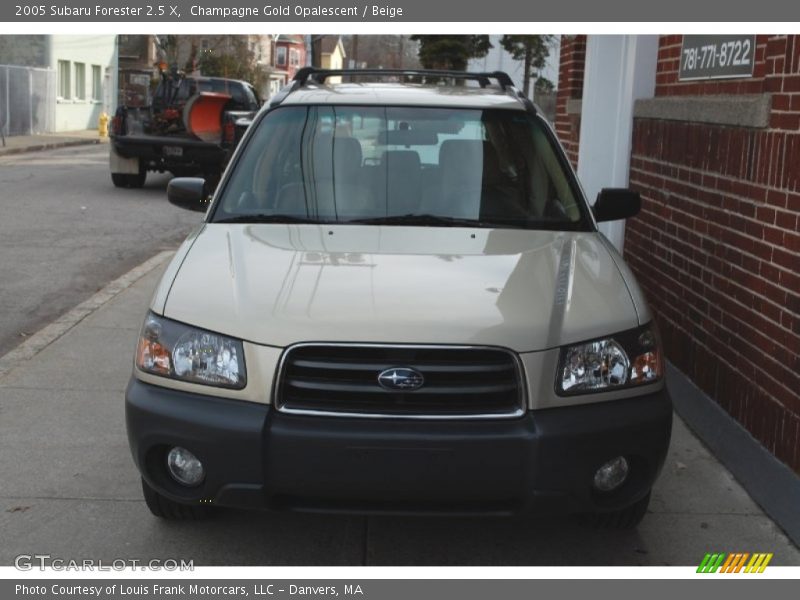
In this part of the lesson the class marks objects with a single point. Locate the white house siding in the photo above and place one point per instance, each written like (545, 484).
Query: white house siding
(73, 112)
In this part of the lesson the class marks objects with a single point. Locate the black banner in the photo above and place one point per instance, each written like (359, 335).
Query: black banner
(176, 11)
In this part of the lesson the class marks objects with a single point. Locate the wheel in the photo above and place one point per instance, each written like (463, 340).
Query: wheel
(164, 508)
(625, 518)
(119, 180)
(128, 180)
(137, 181)
(125, 180)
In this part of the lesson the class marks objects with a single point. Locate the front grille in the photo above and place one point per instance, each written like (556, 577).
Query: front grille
(466, 382)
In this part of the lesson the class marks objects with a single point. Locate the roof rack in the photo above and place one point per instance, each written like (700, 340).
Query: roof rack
(312, 74)
(320, 75)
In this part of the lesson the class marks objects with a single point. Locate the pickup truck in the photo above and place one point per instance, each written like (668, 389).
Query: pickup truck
(188, 129)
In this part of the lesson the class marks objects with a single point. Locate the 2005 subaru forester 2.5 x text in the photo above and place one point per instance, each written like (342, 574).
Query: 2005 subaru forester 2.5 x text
(399, 301)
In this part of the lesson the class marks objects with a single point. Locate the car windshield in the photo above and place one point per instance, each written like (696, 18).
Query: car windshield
(401, 165)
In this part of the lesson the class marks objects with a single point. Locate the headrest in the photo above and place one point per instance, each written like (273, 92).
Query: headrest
(401, 160)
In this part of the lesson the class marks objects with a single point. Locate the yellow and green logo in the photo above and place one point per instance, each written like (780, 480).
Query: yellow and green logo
(735, 563)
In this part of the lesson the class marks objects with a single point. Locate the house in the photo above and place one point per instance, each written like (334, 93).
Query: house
(290, 55)
(57, 82)
(328, 53)
(86, 79)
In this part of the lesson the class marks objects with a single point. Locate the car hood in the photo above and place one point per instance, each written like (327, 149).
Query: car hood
(278, 284)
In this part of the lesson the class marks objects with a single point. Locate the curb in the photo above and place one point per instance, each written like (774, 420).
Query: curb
(6, 151)
(50, 333)
(770, 483)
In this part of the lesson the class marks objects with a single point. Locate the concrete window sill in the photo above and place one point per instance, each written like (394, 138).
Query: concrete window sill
(746, 110)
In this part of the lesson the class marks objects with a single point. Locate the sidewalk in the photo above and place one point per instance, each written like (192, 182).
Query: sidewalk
(68, 487)
(29, 143)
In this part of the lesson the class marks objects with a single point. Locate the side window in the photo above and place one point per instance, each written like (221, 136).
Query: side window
(241, 96)
(64, 79)
(270, 172)
(236, 92)
(253, 101)
(210, 86)
(187, 89)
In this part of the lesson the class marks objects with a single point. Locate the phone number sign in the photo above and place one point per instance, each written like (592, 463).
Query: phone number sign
(717, 56)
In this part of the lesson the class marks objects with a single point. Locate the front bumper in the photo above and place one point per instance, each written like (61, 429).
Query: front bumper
(256, 457)
(151, 149)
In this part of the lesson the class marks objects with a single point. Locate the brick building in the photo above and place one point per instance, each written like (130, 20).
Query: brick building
(716, 246)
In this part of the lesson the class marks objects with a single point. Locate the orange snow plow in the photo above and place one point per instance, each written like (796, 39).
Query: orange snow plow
(202, 115)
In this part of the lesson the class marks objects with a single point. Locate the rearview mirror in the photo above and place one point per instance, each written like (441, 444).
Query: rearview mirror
(614, 204)
(190, 193)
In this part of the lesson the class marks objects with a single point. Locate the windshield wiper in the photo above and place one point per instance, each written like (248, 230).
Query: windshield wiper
(421, 219)
(268, 218)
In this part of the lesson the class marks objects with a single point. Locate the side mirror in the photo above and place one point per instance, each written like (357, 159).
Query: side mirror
(614, 204)
(190, 193)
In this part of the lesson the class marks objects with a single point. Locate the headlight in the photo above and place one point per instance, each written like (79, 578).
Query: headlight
(627, 359)
(175, 350)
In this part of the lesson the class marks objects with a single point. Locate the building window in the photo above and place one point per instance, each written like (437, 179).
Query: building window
(97, 83)
(281, 56)
(80, 81)
(64, 89)
(294, 57)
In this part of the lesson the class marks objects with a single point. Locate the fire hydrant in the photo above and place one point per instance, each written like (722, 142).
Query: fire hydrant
(102, 125)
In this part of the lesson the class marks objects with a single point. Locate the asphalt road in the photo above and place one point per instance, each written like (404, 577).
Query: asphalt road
(65, 231)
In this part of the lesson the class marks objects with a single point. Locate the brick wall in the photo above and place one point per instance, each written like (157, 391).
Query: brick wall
(717, 245)
(667, 84)
(570, 87)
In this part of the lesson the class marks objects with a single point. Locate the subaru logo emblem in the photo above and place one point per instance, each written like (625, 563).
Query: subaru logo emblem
(401, 379)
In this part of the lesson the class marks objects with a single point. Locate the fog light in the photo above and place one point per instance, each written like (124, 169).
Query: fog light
(611, 475)
(184, 466)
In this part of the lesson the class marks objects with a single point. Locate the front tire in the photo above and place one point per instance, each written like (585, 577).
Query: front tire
(137, 181)
(128, 180)
(164, 508)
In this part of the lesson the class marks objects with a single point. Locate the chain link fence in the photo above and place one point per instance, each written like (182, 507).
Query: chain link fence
(27, 100)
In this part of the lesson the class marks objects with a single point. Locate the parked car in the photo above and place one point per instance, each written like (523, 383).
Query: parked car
(188, 129)
(399, 302)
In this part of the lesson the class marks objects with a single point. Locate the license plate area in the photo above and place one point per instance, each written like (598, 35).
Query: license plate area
(172, 151)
